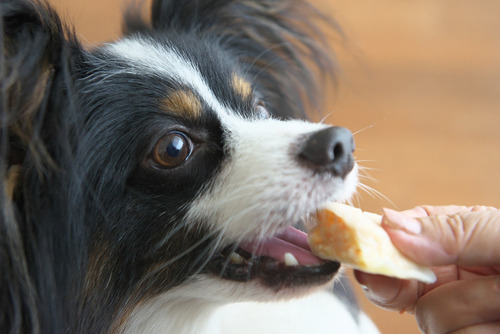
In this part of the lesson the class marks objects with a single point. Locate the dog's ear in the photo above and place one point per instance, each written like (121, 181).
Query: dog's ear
(33, 45)
(32, 40)
(281, 42)
(36, 52)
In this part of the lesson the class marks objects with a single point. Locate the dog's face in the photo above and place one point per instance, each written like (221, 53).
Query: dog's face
(208, 168)
(178, 159)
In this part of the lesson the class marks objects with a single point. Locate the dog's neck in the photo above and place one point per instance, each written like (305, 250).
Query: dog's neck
(174, 314)
(187, 309)
(181, 311)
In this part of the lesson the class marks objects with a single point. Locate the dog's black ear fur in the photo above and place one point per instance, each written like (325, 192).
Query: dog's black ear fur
(32, 41)
(281, 42)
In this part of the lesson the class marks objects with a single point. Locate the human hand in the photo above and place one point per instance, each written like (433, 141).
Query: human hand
(463, 246)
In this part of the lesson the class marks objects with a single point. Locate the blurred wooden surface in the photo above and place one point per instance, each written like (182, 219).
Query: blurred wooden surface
(420, 87)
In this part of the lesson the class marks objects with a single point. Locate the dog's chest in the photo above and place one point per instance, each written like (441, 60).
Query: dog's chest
(321, 313)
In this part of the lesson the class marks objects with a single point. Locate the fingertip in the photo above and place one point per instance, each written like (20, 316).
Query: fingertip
(388, 292)
(378, 288)
(420, 248)
(417, 238)
(362, 279)
(395, 220)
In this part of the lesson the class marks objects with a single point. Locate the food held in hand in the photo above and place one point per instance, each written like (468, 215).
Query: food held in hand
(357, 239)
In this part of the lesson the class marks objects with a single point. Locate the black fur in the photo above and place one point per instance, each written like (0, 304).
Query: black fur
(83, 233)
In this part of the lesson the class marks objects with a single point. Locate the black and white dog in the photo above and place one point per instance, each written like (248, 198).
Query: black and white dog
(150, 185)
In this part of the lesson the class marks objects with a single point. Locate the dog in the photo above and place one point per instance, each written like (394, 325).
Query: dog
(152, 184)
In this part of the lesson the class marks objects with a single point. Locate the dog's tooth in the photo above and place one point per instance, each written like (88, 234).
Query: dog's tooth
(290, 260)
(236, 258)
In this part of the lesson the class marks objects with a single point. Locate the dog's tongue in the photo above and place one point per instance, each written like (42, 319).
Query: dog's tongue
(291, 241)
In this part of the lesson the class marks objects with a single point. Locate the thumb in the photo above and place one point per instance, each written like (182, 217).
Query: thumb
(470, 236)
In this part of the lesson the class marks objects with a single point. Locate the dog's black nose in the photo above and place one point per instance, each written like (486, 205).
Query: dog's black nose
(329, 150)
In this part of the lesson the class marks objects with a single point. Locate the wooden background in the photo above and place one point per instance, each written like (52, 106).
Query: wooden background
(420, 87)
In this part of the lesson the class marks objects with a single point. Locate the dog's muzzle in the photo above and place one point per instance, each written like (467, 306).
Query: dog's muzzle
(285, 260)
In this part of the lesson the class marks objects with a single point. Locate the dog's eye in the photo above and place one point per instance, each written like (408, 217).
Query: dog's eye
(261, 111)
(172, 150)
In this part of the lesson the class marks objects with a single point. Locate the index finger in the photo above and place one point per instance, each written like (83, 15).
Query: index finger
(429, 210)
(469, 237)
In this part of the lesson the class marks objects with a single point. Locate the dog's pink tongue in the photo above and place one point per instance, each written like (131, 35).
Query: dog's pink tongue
(291, 241)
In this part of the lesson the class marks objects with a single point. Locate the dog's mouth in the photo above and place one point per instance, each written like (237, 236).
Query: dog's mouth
(284, 260)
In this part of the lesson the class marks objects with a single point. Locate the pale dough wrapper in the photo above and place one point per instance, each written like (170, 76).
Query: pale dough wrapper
(357, 239)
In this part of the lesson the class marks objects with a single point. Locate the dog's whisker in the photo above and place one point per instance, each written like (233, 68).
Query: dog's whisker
(171, 233)
(365, 160)
(364, 173)
(179, 256)
(375, 193)
(357, 197)
(323, 120)
(371, 126)
(204, 258)
(367, 178)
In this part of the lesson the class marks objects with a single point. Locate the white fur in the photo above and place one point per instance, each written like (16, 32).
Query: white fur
(317, 313)
(199, 308)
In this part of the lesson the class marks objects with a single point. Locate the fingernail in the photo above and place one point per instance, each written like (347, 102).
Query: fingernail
(378, 289)
(497, 285)
(395, 220)
(360, 278)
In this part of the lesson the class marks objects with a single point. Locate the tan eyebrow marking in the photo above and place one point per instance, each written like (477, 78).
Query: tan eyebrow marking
(241, 86)
(183, 103)
(13, 176)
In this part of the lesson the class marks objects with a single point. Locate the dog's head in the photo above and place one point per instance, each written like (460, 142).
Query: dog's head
(166, 158)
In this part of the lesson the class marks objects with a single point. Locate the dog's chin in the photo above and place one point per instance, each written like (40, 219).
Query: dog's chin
(283, 261)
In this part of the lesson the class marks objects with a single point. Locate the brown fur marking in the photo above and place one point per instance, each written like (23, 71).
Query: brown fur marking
(241, 86)
(183, 103)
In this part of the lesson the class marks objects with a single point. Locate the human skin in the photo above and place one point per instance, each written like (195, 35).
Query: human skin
(462, 245)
